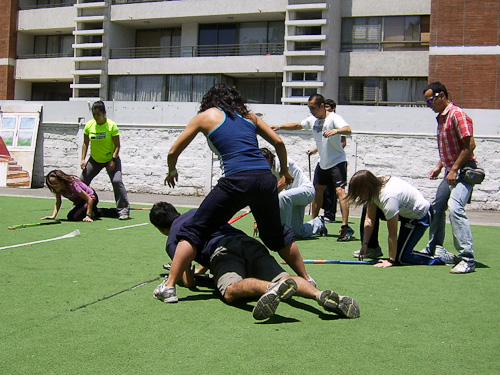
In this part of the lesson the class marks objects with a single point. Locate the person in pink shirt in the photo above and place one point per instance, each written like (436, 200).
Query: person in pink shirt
(83, 197)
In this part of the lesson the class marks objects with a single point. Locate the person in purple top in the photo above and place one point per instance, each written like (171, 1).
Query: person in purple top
(231, 131)
(84, 198)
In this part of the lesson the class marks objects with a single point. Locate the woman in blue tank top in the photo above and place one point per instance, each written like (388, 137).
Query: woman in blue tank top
(231, 131)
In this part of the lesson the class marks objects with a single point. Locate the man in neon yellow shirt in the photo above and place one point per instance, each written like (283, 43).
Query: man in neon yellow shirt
(104, 138)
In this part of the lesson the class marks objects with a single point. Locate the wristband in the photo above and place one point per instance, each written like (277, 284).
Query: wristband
(113, 159)
(173, 173)
(391, 260)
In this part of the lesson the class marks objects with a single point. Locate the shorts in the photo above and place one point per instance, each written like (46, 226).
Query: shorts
(239, 257)
(335, 176)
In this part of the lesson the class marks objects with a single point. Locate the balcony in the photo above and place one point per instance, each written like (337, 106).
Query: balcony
(32, 4)
(257, 49)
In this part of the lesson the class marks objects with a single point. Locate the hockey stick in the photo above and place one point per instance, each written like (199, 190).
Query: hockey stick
(140, 209)
(19, 226)
(326, 261)
(76, 232)
(238, 217)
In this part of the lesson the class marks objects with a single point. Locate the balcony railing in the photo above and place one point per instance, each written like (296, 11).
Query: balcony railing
(33, 4)
(46, 55)
(408, 45)
(137, 1)
(199, 51)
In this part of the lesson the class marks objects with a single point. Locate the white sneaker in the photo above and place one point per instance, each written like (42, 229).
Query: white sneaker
(165, 294)
(463, 267)
(370, 253)
(447, 257)
(267, 304)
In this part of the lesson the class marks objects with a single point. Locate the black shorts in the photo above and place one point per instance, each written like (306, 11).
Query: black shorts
(335, 176)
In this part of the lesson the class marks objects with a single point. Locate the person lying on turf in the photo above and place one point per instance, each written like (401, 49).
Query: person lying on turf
(242, 268)
(84, 198)
(394, 200)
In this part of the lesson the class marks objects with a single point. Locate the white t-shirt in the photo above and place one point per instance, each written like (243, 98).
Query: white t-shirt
(299, 177)
(330, 149)
(399, 197)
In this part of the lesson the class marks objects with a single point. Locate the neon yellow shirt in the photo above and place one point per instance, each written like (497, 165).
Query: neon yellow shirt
(101, 139)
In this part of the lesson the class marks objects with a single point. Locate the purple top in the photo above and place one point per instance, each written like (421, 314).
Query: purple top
(74, 188)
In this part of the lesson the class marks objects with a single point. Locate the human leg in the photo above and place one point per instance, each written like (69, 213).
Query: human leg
(460, 227)
(438, 223)
(374, 250)
(318, 200)
(92, 169)
(78, 212)
(330, 203)
(410, 232)
(121, 198)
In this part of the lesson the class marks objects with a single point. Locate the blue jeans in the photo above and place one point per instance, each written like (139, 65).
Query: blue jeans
(454, 198)
(293, 203)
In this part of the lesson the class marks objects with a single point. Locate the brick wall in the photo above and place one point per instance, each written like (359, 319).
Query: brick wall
(473, 80)
(8, 18)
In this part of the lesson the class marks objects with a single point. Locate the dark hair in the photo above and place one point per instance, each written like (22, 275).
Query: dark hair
(437, 87)
(61, 176)
(162, 215)
(99, 105)
(364, 183)
(268, 155)
(317, 99)
(331, 103)
(226, 98)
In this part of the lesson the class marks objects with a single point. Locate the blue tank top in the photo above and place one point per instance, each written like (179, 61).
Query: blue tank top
(235, 143)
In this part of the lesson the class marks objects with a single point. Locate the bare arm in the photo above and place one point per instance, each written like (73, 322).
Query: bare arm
(346, 130)
(291, 126)
(85, 147)
(111, 165)
(57, 207)
(269, 135)
(392, 227)
(90, 204)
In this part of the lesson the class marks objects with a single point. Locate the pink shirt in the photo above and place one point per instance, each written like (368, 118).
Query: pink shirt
(74, 188)
(453, 126)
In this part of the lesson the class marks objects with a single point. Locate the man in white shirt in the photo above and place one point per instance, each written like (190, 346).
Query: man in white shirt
(327, 128)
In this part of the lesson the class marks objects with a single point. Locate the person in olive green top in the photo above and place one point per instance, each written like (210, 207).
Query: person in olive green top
(104, 138)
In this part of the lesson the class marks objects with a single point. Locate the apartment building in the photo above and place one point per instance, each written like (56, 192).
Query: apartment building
(276, 52)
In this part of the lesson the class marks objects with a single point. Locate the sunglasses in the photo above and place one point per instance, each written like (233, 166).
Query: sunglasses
(431, 100)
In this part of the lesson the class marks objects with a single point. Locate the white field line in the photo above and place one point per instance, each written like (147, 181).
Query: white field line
(76, 232)
(129, 226)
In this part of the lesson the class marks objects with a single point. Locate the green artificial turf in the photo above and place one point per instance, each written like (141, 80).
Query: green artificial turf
(68, 307)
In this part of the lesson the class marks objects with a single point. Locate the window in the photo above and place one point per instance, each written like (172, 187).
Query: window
(401, 33)
(53, 91)
(382, 91)
(53, 45)
(301, 76)
(249, 38)
(19, 130)
(158, 42)
(304, 92)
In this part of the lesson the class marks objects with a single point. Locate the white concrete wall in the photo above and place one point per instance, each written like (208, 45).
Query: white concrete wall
(59, 68)
(47, 20)
(386, 140)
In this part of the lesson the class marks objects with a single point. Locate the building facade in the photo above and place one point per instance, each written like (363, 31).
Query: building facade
(275, 52)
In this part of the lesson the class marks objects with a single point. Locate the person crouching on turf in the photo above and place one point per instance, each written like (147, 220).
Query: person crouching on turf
(84, 198)
(394, 200)
(242, 268)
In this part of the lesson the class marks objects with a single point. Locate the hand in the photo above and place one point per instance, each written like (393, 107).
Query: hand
(451, 177)
(329, 133)
(288, 177)
(48, 218)
(274, 127)
(383, 264)
(111, 166)
(362, 252)
(87, 219)
(83, 163)
(171, 180)
(311, 151)
(434, 173)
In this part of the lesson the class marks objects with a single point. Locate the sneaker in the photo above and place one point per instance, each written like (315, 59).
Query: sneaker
(463, 267)
(375, 252)
(447, 257)
(346, 233)
(329, 218)
(167, 266)
(124, 217)
(164, 294)
(268, 303)
(341, 305)
(323, 232)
